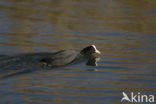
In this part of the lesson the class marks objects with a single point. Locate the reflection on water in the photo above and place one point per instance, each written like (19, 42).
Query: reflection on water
(124, 31)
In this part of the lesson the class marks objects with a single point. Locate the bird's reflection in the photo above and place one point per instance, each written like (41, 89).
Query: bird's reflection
(93, 61)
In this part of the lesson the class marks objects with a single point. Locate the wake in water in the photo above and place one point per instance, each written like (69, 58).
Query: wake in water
(26, 63)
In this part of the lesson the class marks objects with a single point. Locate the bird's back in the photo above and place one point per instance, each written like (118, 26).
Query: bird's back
(60, 58)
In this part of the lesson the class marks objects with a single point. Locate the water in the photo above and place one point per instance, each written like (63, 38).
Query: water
(124, 31)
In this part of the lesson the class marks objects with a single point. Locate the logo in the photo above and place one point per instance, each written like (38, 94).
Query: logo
(137, 97)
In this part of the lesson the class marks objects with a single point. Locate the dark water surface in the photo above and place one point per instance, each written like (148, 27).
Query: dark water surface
(124, 31)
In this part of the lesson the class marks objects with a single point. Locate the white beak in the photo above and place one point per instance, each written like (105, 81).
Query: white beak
(96, 51)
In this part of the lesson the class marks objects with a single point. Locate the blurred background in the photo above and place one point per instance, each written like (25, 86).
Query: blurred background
(124, 31)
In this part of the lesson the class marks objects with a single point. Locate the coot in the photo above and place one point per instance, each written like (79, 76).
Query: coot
(65, 57)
